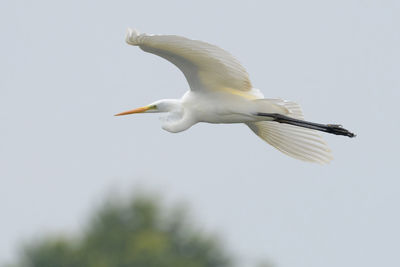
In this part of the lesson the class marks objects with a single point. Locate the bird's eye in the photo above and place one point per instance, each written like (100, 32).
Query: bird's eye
(153, 107)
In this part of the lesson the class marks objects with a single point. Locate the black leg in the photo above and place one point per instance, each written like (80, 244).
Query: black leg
(328, 128)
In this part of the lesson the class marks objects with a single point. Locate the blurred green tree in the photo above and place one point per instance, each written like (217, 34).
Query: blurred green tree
(139, 232)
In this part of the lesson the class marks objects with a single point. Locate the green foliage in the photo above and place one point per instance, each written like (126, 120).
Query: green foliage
(130, 234)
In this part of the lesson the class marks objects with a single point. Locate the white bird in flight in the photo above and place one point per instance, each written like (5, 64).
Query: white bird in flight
(221, 92)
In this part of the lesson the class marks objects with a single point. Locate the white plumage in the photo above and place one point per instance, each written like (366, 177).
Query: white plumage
(221, 92)
(205, 66)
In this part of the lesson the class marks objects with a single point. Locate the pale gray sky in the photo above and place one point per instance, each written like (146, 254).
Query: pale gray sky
(65, 70)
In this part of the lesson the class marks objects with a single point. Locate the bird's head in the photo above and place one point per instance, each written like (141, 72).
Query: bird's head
(164, 105)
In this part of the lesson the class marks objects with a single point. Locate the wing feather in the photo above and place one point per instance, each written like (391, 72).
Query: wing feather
(205, 66)
(300, 143)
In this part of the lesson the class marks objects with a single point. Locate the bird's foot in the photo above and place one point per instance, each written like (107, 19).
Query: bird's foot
(339, 130)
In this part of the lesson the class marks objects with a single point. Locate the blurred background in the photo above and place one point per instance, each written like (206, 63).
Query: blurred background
(65, 70)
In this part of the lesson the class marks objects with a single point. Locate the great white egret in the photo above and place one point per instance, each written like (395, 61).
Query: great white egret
(221, 92)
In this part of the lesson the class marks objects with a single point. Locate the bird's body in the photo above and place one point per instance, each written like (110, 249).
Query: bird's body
(217, 107)
(221, 92)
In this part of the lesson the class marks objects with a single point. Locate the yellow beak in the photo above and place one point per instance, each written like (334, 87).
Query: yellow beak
(136, 110)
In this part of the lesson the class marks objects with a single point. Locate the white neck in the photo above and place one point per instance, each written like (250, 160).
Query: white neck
(178, 119)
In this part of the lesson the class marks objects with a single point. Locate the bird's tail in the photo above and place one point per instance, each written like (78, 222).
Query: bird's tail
(298, 142)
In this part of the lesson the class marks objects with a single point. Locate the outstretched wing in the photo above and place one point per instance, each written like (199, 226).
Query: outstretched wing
(205, 66)
(300, 143)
